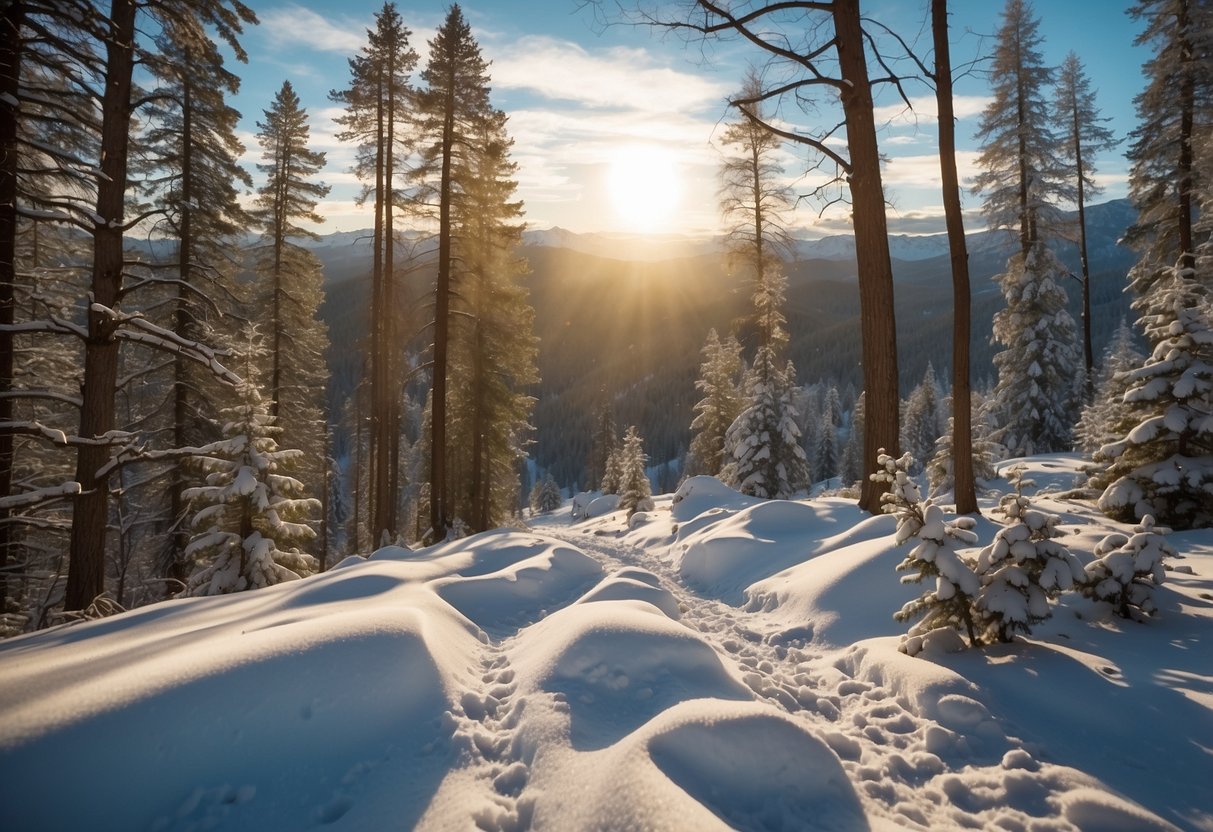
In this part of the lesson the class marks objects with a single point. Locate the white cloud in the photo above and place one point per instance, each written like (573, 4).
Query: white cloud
(922, 171)
(924, 110)
(613, 78)
(293, 26)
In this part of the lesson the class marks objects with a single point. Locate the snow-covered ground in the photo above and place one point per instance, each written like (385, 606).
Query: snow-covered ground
(724, 663)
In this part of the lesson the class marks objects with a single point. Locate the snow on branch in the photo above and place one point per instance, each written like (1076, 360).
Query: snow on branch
(40, 495)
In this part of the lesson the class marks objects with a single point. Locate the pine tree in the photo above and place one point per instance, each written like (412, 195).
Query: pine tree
(920, 426)
(604, 439)
(851, 466)
(765, 457)
(1034, 405)
(951, 603)
(1022, 569)
(718, 378)
(451, 109)
(493, 346)
(1161, 465)
(290, 289)
(1127, 569)
(545, 496)
(1080, 124)
(826, 459)
(377, 105)
(612, 478)
(940, 471)
(249, 510)
(1106, 418)
(635, 493)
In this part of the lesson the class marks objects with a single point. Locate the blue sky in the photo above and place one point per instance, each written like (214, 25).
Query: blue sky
(583, 100)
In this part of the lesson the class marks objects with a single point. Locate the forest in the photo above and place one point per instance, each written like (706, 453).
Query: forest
(196, 400)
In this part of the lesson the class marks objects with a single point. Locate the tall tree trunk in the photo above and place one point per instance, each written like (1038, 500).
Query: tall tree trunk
(477, 511)
(86, 559)
(10, 84)
(282, 172)
(390, 374)
(962, 427)
(877, 323)
(182, 326)
(1187, 105)
(1087, 350)
(442, 302)
(380, 450)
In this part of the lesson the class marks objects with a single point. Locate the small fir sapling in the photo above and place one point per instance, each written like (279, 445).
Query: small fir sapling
(950, 604)
(635, 493)
(1128, 568)
(545, 496)
(1023, 568)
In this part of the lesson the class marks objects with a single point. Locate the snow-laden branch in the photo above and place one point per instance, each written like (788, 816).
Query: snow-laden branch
(40, 495)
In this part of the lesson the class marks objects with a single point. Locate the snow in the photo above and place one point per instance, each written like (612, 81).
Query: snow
(729, 663)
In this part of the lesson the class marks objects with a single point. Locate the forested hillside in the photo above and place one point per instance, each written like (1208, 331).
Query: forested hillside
(643, 357)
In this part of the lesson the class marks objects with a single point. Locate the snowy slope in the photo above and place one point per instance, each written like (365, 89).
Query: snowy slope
(723, 663)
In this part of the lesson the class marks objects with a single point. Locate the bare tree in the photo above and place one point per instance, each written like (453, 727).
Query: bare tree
(811, 48)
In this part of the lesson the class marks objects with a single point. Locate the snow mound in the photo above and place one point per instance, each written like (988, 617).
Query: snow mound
(755, 768)
(617, 664)
(699, 494)
(600, 506)
(244, 710)
(523, 591)
(631, 584)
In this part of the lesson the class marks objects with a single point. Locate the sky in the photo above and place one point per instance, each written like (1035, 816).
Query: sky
(617, 127)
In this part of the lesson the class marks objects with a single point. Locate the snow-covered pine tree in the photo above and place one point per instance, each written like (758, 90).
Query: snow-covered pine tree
(635, 493)
(826, 459)
(545, 496)
(1164, 464)
(851, 465)
(719, 375)
(940, 470)
(1023, 568)
(613, 476)
(950, 604)
(1127, 569)
(1034, 404)
(763, 446)
(249, 514)
(1104, 419)
(920, 426)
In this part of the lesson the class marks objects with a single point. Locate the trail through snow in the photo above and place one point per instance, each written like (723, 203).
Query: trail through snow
(720, 662)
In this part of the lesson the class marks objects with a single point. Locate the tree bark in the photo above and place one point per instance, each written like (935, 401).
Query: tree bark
(10, 76)
(962, 427)
(1087, 349)
(1187, 105)
(877, 321)
(380, 450)
(86, 561)
(442, 300)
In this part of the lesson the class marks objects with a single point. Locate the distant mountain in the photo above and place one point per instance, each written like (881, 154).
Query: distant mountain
(628, 315)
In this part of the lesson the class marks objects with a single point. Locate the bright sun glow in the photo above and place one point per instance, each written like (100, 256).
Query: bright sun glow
(645, 187)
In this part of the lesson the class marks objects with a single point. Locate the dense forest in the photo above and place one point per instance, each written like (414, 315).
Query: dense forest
(198, 395)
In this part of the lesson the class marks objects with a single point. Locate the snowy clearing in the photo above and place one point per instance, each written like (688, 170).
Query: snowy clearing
(724, 663)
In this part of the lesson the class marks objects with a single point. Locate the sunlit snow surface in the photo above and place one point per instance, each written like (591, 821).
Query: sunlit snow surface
(723, 663)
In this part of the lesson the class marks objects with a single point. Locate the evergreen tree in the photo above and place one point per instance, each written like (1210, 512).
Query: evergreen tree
(1022, 569)
(920, 426)
(1105, 419)
(493, 346)
(762, 446)
(1161, 465)
(377, 106)
(826, 459)
(851, 466)
(451, 110)
(718, 377)
(612, 478)
(249, 509)
(941, 471)
(604, 439)
(1034, 405)
(635, 493)
(1127, 569)
(1164, 465)
(950, 604)
(1081, 127)
(545, 496)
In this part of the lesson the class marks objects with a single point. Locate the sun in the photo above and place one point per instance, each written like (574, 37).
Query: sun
(645, 187)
